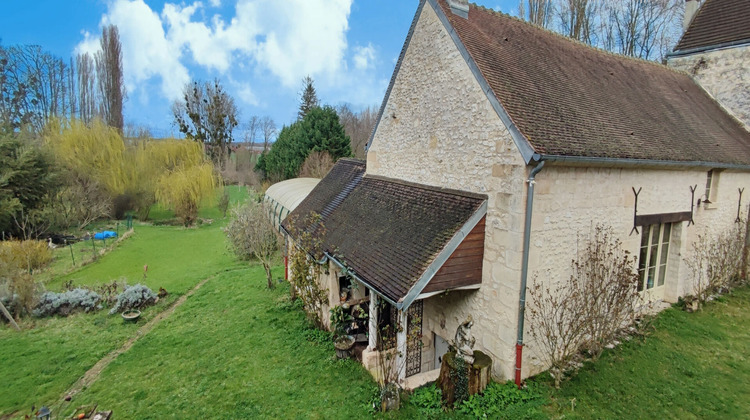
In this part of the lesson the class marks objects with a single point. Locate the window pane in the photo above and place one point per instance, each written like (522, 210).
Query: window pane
(667, 232)
(650, 280)
(662, 273)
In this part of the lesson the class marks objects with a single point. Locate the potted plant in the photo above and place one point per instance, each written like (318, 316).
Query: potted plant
(340, 321)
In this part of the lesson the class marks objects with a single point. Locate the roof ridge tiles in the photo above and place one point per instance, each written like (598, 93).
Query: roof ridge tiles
(427, 187)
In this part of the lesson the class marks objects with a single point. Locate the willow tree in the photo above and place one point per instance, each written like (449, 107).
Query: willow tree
(185, 188)
(95, 152)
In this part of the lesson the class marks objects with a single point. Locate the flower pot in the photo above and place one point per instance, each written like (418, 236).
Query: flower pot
(343, 346)
(131, 315)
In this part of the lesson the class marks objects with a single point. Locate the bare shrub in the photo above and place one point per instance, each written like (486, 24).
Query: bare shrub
(252, 235)
(715, 261)
(316, 165)
(587, 312)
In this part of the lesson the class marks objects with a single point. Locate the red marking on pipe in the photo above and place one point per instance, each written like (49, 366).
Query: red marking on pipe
(519, 358)
(286, 268)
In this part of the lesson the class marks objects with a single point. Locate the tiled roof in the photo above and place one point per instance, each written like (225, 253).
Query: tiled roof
(386, 231)
(717, 22)
(569, 99)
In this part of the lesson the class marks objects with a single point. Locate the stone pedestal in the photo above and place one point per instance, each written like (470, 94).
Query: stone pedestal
(477, 376)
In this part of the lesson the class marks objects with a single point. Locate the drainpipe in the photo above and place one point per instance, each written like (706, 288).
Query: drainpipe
(525, 268)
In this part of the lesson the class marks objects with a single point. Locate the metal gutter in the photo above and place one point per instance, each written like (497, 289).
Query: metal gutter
(443, 256)
(639, 163)
(523, 145)
(716, 47)
(395, 72)
(525, 268)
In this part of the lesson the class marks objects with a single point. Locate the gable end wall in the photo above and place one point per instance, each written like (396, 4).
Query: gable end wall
(725, 74)
(438, 128)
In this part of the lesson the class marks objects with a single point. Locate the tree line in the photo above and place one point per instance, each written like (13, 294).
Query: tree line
(645, 29)
(37, 87)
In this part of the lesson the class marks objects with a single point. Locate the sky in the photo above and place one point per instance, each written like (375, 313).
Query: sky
(258, 49)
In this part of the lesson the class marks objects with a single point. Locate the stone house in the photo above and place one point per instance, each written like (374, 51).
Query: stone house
(715, 50)
(497, 145)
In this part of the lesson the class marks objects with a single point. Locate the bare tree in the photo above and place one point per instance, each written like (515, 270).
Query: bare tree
(207, 114)
(316, 165)
(268, 129)
(641, 28)
(34, 87)
(358, 126)
(86, 76)
(252, 235)
(252, 127)
(109, 77)
(538, 12)
(576, 19)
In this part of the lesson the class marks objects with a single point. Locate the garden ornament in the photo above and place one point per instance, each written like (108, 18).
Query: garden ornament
(464, 341)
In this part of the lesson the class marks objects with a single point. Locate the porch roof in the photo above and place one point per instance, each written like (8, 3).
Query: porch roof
(390, 234)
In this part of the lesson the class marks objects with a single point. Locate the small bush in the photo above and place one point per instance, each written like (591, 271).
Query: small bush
(429, 401)
(109, 292)
(133, 297)
(503, 401)
(26, 255)
(65, 303)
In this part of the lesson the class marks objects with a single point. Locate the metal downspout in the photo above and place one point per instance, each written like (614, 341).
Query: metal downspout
(525, 268)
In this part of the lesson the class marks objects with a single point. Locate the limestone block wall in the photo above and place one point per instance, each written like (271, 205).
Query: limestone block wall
(725, 74)
(570, 202)
(439, 129)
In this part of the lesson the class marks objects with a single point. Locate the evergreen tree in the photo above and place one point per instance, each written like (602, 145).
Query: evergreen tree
(309, 98)
(319, 131)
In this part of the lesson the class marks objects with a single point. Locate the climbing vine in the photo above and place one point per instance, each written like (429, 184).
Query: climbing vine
(305, 271)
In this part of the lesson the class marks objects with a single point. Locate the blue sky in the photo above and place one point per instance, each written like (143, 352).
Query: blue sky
(259, 49)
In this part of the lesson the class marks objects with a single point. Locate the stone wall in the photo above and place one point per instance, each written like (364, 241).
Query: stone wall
(439, 129)
(725, 74)
(570, 202)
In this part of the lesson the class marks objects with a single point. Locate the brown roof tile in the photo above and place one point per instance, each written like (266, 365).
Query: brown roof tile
(717, 22)
(570, 99)
(386, 231)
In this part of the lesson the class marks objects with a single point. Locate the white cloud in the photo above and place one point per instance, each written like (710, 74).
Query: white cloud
(284, 39)
(146, 51)
(364, 57)
(246, 94)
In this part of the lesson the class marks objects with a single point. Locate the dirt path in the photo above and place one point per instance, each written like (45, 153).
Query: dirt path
(92, 374)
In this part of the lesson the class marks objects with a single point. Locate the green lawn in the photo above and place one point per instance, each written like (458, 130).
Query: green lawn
(43, 361)
(235, 349)
(692, 366)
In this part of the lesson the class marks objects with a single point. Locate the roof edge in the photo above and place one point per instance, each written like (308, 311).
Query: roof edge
(522, 143)
(395, 72)
(442, 257)
(359, 279)
(427, 187)
(722, 46)
(640, 163)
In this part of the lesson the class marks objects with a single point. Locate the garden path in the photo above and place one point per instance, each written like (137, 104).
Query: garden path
(92, 374)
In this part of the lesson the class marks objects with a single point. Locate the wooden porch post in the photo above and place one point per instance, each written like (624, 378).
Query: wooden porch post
(373, 324)
(401, 344)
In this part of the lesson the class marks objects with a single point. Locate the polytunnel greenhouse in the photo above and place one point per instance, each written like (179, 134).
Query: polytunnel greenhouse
(283, 197)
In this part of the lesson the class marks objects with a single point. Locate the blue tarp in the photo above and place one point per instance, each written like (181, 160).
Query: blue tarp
(105, 235)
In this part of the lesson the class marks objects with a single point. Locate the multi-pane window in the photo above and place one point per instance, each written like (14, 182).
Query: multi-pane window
(652, 262)
(709, 181)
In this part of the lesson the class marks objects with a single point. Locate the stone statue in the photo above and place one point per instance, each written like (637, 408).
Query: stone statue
(465, 342)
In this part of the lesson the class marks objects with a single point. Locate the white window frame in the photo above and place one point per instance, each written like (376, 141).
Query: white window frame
(653, 256)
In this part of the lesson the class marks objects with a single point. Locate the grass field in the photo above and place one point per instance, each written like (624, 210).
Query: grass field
(235, 349)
